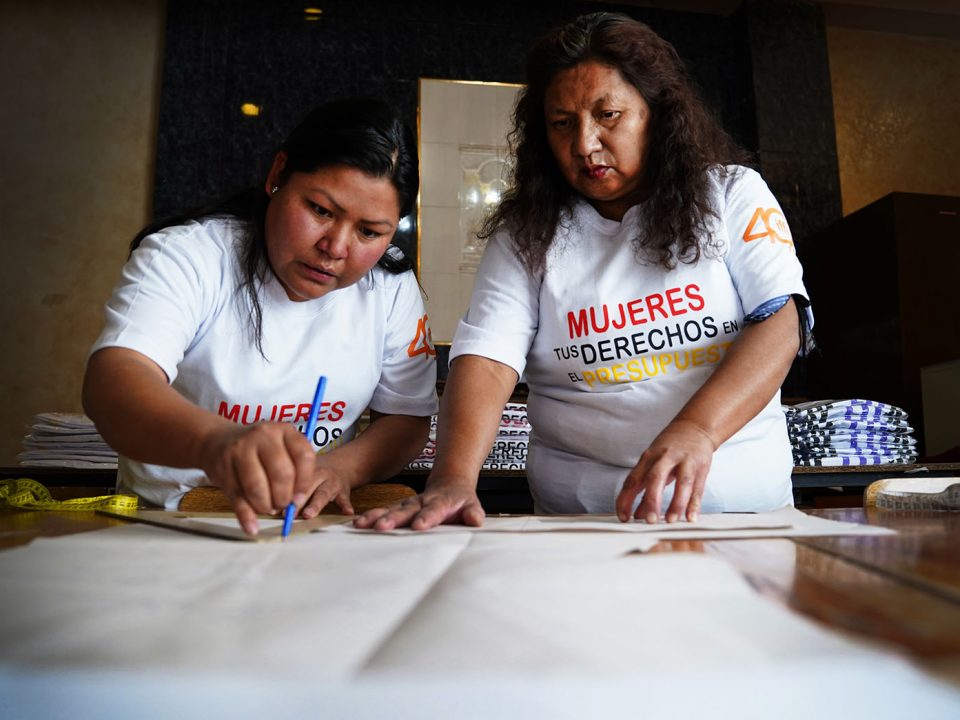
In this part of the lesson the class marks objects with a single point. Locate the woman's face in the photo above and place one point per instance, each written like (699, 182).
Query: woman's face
(598, 126)
(326, 229)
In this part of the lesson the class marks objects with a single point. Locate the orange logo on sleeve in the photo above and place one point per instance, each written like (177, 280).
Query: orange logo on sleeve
(422, 343)
(768, 223)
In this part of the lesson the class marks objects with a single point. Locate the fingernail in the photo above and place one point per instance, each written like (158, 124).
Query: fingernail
(694, 516)
(622, 517)
(299, 499)
(671, 517)
(250, 528)
(652, 518)
(308, 513)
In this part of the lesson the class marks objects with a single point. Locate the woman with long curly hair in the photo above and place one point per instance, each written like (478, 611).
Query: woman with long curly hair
(644, 284)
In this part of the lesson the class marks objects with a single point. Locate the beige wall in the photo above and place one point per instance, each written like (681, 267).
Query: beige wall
(78, 88)
(897, 107)
(462, 124)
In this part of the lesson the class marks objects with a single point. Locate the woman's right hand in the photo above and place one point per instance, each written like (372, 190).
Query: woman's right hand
(441, 503)
(261, 468)
(476, 390)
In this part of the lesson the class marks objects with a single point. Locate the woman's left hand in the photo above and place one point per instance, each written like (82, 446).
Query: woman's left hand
(681, 454)
(746, 379)
(334, 486)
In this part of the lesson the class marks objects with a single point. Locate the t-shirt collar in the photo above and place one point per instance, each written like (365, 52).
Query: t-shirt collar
(586, 213)
(277, 296)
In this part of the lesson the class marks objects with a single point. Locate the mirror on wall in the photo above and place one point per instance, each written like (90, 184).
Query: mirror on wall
(464, 166)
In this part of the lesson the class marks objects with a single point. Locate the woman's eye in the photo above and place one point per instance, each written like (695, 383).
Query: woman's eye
(320, 210)
(559, 124)
(610, 114)
(370, 234)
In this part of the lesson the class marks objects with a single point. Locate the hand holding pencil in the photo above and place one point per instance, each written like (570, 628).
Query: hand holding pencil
(261, 468)
(331, 485)
(270, 467)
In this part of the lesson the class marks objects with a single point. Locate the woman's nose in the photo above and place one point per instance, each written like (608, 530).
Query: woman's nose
(586, 141)
(335, 241)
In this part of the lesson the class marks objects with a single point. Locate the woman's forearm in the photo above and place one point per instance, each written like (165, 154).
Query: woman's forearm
(751, 372)
(140, 415)
(476, 391)
(382, 450)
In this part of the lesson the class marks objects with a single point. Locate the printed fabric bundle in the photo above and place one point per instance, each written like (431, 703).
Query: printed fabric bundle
(849, 432)
(509, 451)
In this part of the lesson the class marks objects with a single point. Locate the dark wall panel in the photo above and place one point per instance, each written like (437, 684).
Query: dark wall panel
(220, 54)
(763, 71)
(793, 106)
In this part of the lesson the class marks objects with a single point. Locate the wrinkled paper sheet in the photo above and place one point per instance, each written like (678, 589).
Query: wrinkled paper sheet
(785, 522)
(468, 624)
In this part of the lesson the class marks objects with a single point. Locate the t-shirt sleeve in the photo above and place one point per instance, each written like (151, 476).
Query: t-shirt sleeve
(165, 291)
(504, 311)
(408, 379)
(760, 255)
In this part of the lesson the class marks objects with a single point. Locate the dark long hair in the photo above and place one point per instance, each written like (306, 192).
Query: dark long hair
(685, 141)
(361, 133)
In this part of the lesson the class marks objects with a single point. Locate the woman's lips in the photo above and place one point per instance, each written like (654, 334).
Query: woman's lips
(596, 172)
(318, 274)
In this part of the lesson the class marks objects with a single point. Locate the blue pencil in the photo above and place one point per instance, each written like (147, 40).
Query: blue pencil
(315, 408)
(308, 432)
(288, 520)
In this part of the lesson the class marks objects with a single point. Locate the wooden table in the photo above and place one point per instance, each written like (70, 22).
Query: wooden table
(901, 590)
(506, 491)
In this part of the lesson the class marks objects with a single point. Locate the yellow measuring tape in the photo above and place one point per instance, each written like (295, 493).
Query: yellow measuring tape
(26, 494)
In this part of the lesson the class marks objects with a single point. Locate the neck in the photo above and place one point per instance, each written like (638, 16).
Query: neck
(617, 208)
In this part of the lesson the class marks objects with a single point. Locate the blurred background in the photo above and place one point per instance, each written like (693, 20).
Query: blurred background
(115, 112)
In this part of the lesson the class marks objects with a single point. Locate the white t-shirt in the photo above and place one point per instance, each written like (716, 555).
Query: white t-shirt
(612, 348)
(178, 303)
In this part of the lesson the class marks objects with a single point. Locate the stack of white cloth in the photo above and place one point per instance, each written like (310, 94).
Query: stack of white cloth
(67, 440)
(509, 451)
(849, 432)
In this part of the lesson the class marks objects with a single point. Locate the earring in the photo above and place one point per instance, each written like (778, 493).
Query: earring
(273, 190)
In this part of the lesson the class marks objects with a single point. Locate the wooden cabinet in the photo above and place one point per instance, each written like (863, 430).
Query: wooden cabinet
(885, 287)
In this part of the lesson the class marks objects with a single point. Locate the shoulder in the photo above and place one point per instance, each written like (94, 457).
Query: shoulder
(728, 182)
(380, 277)
(502, 242)
(211, 244)
(205, 236)
(503, 259)
(204, 253)
(390, 287)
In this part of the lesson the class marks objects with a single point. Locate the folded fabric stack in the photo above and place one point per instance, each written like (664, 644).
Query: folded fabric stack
(509, 451)
(849, 432)
(66, 440)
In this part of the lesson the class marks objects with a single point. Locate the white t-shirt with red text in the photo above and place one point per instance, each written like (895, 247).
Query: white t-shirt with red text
(611, 348)
(178, 302)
